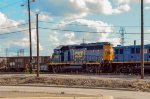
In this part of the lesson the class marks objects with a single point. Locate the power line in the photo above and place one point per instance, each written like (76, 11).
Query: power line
(14, 26)
(14, 40)
(91, 25)
(94, 32)
(14, 32)
(25, 23)
(67, 30)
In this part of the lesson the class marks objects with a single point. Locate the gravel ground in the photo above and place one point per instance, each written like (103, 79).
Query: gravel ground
(36, 94)
(117, 94)
(129, 82)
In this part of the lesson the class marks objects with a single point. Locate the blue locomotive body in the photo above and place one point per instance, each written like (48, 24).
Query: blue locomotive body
(91, 52)
(130, 53)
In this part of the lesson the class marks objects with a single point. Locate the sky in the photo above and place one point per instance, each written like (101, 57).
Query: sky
(65, 22)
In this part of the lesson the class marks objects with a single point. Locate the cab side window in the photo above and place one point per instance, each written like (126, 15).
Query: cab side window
(121, 51)
(116, 51)
(132, 50)
(137, 50)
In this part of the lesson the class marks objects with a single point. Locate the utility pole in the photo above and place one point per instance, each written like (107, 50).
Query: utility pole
(21, 52)
(18, 59)
(30, 38)
(122, 32)
(83, 41)
(142, 40)
(37, 31)
(6, 57)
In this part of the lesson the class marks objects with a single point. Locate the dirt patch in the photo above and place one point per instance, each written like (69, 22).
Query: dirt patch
(138, 85)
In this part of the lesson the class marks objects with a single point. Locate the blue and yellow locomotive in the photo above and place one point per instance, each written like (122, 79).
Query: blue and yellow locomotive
(90, 52)
(100, 57)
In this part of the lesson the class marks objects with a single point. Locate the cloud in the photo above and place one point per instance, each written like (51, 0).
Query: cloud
(7, 25)
(72, 36)
(126, 4)
(147, 8)
(24, 42)
(147, 1)
(5, 22)
(122, 1)
(81, 8)
(66, 38)
(19, 40)
(43, 16)
(122, 8)
(147, 30)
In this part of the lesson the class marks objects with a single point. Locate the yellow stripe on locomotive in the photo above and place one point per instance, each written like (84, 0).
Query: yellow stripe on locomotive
(108, 52)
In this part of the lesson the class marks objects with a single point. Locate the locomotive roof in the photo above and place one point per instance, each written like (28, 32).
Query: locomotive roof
(131, 46)
(81, 45)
